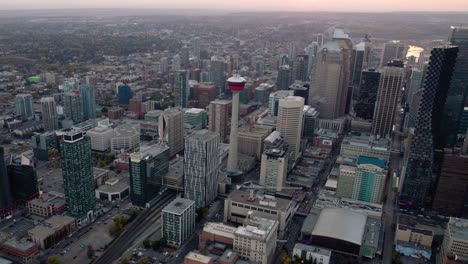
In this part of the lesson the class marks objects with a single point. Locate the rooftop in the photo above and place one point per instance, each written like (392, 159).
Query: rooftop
(220, 229)
(319, 250)
(113, 186)
(458, 228)
(261, 200)
(328, 199)
(22, 245)
(198, 257)
(195, 111)
(369, 160)
(126, 130)
(256, 227)
(202, 135)
(178, 206)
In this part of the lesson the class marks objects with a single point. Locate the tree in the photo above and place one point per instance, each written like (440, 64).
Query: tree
(7, 140)
(124, 261)
(144, 260)
(90, 252)
(54, 260)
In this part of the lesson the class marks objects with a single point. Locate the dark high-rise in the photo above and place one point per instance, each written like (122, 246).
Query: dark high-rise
(125, 94)
(5, 198)
(369, 86)
(78, 176)
(429, 130)
(23, 179)
(283, 79)
(457, 93)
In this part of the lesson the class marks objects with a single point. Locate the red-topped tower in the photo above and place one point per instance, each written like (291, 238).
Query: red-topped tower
(236, 84)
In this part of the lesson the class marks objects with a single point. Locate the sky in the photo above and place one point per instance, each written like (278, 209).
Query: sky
(246, 5)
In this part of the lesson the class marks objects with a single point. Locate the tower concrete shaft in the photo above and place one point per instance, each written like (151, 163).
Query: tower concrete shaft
(232, 161)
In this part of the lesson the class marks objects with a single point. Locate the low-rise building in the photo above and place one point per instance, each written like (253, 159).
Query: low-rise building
(178, 221)
(47, 205)
(52, 230)
(216, 233)
(412, 238)
(100, 137)
(115, 113)
(197, 258)
(310, 253)
(364, 144)
(21, 249)
(113, 189)
(126, 138)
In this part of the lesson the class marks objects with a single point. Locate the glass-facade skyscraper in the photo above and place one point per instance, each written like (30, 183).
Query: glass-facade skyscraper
(88, 100)
(181, 88)
(5, 198)
(78, 176)
(125, 94)
(147, 169)
(369, 86)
(73, 107)
(430, 133)
(24, 105)
(23, 179)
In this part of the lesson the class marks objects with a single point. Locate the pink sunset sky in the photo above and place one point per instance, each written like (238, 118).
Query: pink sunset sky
(246, 5)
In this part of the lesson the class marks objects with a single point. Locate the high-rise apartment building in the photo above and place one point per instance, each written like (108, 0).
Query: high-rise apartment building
(457, 93)
(178, 221)
(218, 117)
(78, 176)
(430, 132)
(365, 182)
(274, 168)
(181, 88)
(124, 94)
(388, 94)
(49, 114)
(176, 62)
(147, 169)
(5, 196)
(73, 107)
(24, 105)
(171, 127)
(283, 80)
(163, 65)
(289, 123)
(88, 99)
(392, 50)
(326, 92)
(367, 97)
(184, 57)
(201, 167)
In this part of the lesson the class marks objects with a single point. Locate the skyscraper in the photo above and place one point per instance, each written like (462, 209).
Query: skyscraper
(365, 105)
(217, 74)
(125, 94)
(299, 68)
(88, 99)
(457, 93)
(311, 51)
(176, 62)
(49, 114)
(274, 168)
(73, 107)
(346, 46)
(185, 58)
(390, 84)
(201, 167)
(147, 169)
(163, 65)
(171, 129)
(429, 131)
(5, 196)
(273, 100)
(23, 179)
(24, 105)
(78, 176)
(326, 92)
(359, 62)
(218, 117)
(181, 88)
(289, 124)
(283, 80)
(392, 50)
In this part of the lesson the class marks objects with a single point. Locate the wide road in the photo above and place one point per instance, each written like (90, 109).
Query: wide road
(137, 228)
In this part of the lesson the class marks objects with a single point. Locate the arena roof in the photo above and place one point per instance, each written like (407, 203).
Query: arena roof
(341, 224)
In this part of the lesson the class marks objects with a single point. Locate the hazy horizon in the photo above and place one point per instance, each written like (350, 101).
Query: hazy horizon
(245, 5)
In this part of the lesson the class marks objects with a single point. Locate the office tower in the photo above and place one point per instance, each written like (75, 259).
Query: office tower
(185, 58)
(171, 129)
(359, 62)
(274, 168)
(255, 240)
(201, 167)
(218, 118)
(5, 195)
(346, 46)
(196, 117)
(365, 182)
(273, 100)
(292, 50)
(415, 84)
(453, 249)
(178, 221)
(49, 114)
(217, 74)
(311, 122)
(311, 51)
(320, 39)
(367, 97)
(301, 89)
(283, 79)
(452, 186)
(236, 84)
(181, 88)
(176, 62)
(23, 179)
(196, 46)
(289, 124)
(283, 60)
(44, 145)
(204, 93)
(299, 68)
(392, 50)
(134, 105)
(24, 105)
(262, 92)
(78, 176)
(251, 139)
(88, 99)
(163, 65)
(72, 107)
(326, 92)
(147, 169)
(390, 84)
(125, 94)
(430, 133)
(457, 93)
